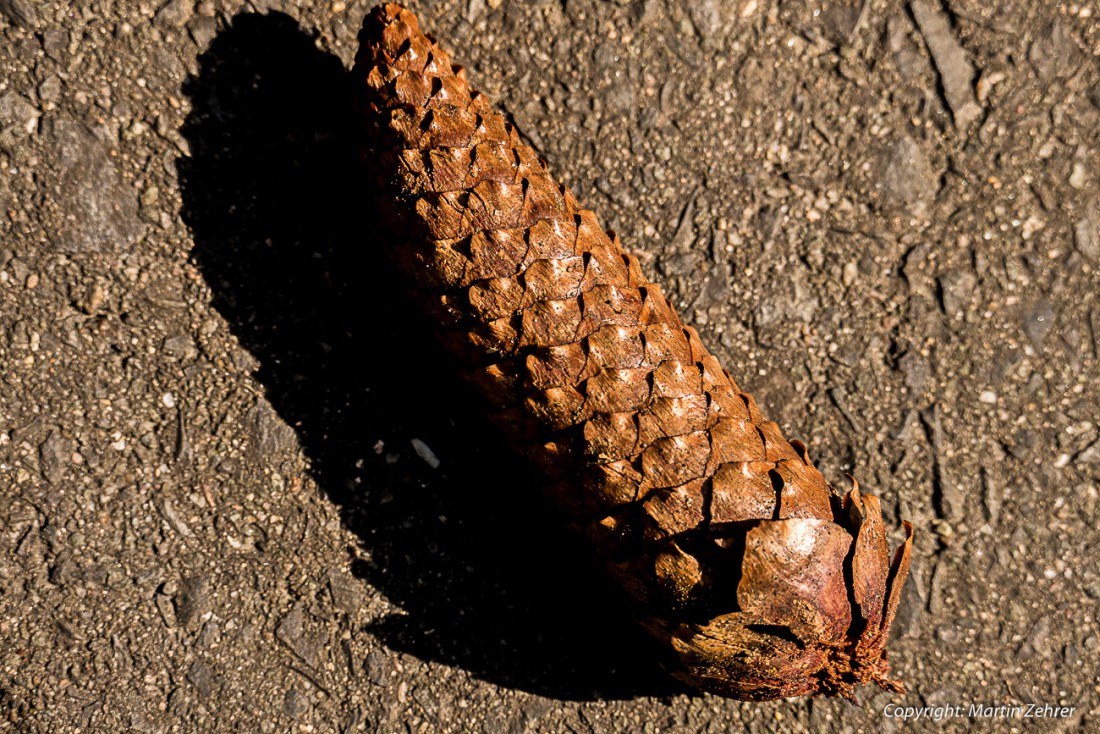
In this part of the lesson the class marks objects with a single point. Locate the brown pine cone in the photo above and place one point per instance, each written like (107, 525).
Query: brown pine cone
(738, 557)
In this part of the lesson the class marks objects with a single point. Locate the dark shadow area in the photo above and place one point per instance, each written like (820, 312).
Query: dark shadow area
(285, 238)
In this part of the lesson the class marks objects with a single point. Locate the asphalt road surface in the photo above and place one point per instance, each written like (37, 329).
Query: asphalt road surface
(241, 491)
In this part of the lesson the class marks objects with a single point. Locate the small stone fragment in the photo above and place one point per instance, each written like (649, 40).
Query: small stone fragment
(55, 42)
(908, 181)
(1038, 321)
(346, 594)
(193, 599)
(270, 435)
(202, 677)
(53, 454)
(174, 520)
(174, 14)
(956, 290)
(1036, 641)
(21, 13)
(89, 209)
(202, 28)
(180, 346)
(18, 117)
(424, 452)
(1053, 53)
(291, 632)
(916, 370)
(167, 611)
(376, 668)
(955, 70)
(1086, 233)
(1078, 176)
(295, 703)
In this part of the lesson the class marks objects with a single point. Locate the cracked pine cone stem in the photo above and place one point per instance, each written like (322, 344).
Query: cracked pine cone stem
(758, 579)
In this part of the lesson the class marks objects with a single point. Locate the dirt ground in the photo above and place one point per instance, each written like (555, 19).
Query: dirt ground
(884, 217)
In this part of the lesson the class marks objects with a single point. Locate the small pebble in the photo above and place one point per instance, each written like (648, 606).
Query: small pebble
(1078, 178)
(988, 397)
(425, 453)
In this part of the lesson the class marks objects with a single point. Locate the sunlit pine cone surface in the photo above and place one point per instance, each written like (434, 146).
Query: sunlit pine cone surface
(758, 580)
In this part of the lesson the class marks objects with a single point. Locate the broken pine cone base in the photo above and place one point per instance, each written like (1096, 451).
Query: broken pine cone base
(757, 579)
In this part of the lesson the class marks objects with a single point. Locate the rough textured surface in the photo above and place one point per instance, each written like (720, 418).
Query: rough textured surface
(739, 559)
(212, 416)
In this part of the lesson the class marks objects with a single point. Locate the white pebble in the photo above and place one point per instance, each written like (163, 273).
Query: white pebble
(989, 397)
(1078, 177)
(168, 399)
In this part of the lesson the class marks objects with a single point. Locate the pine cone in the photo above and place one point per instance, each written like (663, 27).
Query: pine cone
(759, 580)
